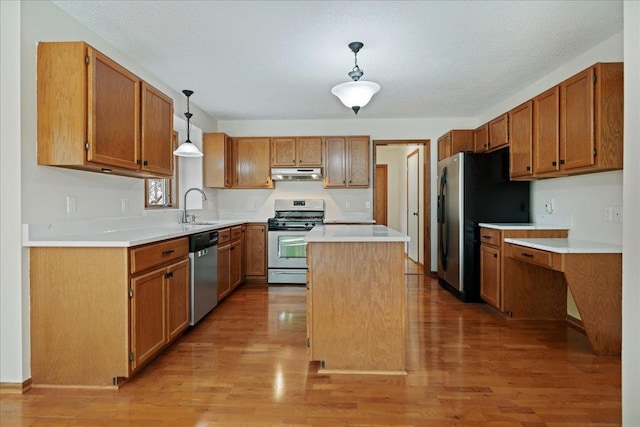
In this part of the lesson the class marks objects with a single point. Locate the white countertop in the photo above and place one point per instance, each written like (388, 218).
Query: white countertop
(567, 246)
(125, 237)
(355, 233)
(349, 221)
(522, 226)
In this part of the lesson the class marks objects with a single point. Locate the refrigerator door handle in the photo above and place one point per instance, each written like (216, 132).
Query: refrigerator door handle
(442, 211)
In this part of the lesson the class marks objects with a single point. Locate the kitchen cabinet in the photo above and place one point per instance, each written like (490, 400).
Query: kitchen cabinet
(296, 151)
(521, 141)
(256, 252)
(346, 162)
(100, 117)
(230, 259)
(578, 124)
(217, 163)
(494, 290)
(141, 293)
(455, 141)
(252, 160)
(481, 138)
(492, 136)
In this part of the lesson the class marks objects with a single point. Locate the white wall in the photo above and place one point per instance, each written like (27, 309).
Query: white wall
(631, 237)
(394, 157)
(14, 341)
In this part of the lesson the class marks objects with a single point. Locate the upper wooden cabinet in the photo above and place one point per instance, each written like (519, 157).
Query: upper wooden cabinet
(578, 124)
(481, 138)
(498, 132)
(252, 159)
(521, 133)
(296, 151)
(217, 162)
(94, 114)
(455, 141)
(591, 119)
(346, 161)
(546, 132)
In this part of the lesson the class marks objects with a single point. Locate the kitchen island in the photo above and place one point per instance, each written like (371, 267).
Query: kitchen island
(356, 300)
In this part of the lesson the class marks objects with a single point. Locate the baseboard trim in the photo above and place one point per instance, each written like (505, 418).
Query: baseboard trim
(575, 323)
(16, 388)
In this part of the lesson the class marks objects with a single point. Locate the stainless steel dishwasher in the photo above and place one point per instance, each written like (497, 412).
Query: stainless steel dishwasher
(203, 256)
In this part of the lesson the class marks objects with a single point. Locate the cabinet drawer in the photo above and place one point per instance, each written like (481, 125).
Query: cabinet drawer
(236, 232)
(491, 236)
(532, 256)
(149, 256)
(224, 235)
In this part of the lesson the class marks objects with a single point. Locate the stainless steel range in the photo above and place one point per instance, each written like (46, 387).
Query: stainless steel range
(287, 248)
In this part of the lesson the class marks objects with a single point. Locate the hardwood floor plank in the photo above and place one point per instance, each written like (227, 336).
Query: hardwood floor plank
(246, 364)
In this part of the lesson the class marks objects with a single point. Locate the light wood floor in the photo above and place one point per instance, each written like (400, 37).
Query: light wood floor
(246, 365)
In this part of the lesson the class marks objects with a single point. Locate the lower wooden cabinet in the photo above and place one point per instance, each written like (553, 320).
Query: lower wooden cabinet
(98, 314)
(230, 259)
(256, 252)
(493, 288)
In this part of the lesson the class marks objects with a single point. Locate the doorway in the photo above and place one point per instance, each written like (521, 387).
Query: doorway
(413, 205)
(396, 183)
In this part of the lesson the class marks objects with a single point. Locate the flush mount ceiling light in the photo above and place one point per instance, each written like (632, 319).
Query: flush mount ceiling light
(188, 148)
(355, 94)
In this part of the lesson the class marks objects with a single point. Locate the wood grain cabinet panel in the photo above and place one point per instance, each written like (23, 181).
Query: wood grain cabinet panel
(481, 138)
(490, 291)
(498, 132)
(252, 162)
(455, 141)
(546, 107)
(256, 252)
(217, 163)
(347, 162)
(521, 141)
(100, 116)
(123, 312)
(283, 152)
(309, 151)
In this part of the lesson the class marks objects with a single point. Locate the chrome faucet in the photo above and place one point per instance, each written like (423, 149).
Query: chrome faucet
(204, 197)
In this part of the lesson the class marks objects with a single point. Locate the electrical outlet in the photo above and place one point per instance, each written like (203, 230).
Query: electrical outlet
(254, 205)
(71, 205)
(347, 204)
(367, 205)
(549, 206)
(608, 213)
(125, 205)
(617, 214)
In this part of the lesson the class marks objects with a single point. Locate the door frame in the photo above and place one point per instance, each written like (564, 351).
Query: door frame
(415, 152)
(426, 189)
(377, 168)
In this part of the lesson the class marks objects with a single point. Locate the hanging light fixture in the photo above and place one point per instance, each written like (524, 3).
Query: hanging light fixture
(358, 93)
(188, 148)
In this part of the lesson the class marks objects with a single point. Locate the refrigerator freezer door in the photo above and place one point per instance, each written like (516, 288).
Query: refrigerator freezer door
(450, 208)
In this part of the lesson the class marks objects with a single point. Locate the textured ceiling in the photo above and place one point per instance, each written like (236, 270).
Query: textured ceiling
(279, 59)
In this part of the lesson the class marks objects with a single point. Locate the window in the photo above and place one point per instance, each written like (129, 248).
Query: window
(163, 192)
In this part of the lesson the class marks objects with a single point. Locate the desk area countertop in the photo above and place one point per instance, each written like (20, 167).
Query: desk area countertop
(522, 226)
(355, 233)
(567, 246)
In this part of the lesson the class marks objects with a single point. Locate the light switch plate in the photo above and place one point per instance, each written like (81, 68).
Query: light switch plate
(71, 205)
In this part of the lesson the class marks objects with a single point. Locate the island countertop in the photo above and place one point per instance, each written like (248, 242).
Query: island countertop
(355, 233)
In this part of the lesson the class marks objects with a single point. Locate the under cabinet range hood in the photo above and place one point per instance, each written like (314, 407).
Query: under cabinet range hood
(296, 174)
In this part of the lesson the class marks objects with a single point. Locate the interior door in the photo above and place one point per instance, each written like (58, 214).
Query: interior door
(413, 205)
(382, 183)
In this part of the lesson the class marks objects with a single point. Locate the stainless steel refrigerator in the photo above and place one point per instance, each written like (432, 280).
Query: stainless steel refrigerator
(473, 188)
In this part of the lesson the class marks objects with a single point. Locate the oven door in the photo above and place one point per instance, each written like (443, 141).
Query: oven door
(287, 249)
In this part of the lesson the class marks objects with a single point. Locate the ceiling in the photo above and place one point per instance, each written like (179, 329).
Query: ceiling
(277, 60)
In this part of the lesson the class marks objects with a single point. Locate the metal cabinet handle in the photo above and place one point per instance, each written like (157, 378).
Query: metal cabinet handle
(524, 254)
(169, 252)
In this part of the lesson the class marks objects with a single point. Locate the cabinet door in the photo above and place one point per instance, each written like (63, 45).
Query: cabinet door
(546, 110)
(335, 166)
(460, 140)
(444, 146)
(148, 316)
(224, 270)
(256, 251)
(481, 138)
(177, 298)
(157, 130)
(236, 261)
(577, 118)
(253, 162)
(498, 132)
(114, 113)
(283, 152)
(309, 150)
(521, 144)
(215, 163)
(358, 161)
(490, 275)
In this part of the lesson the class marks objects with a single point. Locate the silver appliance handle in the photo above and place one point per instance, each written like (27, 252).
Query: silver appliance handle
(442, 220)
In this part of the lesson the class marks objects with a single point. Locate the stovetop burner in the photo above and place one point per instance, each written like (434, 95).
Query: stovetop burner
(297, 214)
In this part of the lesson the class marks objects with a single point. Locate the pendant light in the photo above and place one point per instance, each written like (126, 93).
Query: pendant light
(358, 93)
(188, 148)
